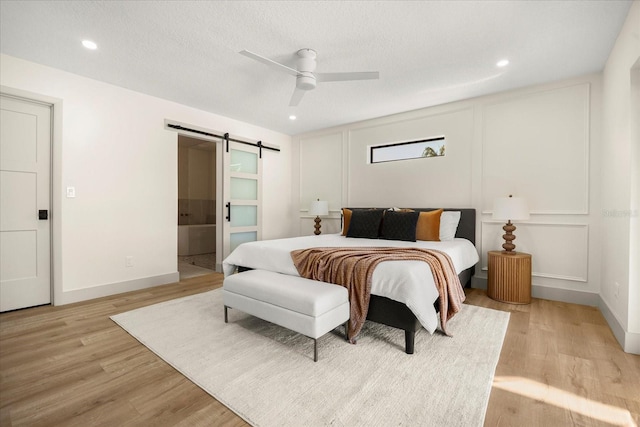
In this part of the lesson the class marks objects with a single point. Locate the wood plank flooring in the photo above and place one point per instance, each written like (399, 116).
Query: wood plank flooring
(71, 365)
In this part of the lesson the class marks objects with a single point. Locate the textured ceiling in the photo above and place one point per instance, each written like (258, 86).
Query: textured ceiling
(427, 53)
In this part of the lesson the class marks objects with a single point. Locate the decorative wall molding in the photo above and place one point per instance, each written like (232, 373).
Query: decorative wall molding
(547, 135)
(559, 277)
(550, 276)
(335, 215)
(422, 114)
(386, 183)
(568, 111)
(541, 247)
(319, 156)
(490, 212)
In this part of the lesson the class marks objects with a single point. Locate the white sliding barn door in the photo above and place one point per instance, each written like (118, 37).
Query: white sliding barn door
(242, 195)
(25, 170)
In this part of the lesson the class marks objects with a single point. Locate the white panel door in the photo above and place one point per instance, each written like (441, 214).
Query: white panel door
(242, 170)
(25, 150)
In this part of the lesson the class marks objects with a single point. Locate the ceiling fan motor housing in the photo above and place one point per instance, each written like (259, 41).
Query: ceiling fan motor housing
(306, 65)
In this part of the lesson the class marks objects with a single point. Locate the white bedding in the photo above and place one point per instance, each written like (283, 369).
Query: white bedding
(408, 282)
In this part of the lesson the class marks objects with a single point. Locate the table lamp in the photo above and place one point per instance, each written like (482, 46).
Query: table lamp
(319, 207)
(510, 208)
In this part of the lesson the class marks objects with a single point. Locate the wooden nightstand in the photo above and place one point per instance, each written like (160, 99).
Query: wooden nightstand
(509, 277)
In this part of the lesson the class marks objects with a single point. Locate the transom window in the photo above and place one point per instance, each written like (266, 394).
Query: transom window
(423, 148)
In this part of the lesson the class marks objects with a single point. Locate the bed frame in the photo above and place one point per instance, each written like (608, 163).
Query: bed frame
(396, 314)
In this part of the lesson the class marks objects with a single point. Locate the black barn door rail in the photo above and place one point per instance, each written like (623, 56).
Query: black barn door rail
(226, 138)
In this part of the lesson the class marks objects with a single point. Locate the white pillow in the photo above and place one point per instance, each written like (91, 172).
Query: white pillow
(449, 225)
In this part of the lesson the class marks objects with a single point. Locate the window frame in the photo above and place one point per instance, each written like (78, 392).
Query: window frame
(403, 143)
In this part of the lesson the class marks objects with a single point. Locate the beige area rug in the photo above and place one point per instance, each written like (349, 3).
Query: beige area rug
(266, 374)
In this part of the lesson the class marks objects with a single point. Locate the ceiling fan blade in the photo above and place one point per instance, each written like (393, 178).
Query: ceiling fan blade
(296, 97)
(340, 77)
(269, 62)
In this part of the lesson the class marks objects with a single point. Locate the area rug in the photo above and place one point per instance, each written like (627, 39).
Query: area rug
(266, 374)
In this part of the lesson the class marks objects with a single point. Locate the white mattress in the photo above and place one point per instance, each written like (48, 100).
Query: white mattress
(408, 282)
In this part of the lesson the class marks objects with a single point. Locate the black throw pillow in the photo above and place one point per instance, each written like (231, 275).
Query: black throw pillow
(400, 226)
(365, 223)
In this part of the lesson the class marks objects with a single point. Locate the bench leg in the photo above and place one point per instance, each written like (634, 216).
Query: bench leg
(315, 349)
(346, 330)
(226, 319)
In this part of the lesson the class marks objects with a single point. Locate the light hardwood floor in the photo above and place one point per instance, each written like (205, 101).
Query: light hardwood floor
(560, 366)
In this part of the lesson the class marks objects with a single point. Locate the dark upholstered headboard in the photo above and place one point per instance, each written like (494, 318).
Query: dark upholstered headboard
(466, 226)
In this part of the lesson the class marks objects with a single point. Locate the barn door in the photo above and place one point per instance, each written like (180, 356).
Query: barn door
(242, 195)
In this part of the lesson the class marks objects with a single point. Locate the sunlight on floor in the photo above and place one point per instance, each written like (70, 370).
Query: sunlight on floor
(564, 399)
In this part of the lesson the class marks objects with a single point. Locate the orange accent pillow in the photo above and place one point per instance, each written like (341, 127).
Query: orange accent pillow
(346, 220)
(428, 227)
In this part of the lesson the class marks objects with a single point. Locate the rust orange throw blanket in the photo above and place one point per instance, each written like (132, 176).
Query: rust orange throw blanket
(353, 269)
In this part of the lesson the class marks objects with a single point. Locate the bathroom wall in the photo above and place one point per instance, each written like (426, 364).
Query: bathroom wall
(196, 181)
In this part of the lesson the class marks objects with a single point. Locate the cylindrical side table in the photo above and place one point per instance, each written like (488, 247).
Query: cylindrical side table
(509, 277)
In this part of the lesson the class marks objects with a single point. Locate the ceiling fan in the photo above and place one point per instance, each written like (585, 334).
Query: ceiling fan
(306, 78)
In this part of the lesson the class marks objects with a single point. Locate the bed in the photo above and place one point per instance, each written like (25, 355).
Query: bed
(403, 294)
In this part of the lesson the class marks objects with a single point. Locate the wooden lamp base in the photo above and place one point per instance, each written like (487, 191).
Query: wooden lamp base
(509, 237)
(318, 221)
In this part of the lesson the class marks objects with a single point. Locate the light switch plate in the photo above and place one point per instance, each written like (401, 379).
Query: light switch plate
(71, 192)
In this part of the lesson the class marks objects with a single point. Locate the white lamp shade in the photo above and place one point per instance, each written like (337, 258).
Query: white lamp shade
(319, 207)
(510, 208)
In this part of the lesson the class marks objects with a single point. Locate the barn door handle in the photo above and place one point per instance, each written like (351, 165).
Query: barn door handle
(43, 214)
(228, 217)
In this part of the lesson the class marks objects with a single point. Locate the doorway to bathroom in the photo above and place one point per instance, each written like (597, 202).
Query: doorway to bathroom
(196, 206)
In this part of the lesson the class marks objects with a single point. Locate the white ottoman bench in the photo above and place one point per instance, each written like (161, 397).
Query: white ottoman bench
(305, 306)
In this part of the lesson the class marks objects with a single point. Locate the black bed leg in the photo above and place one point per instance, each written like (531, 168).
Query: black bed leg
(409, 340)
(226, 320)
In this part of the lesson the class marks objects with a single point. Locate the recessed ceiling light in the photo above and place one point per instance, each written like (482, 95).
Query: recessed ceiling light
(292, 117)
(502, 63)
(89, 44)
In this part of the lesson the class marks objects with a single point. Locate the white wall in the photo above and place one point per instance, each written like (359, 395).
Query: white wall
(620, 264)
(572, 148)
(111, 144)
(541, 143)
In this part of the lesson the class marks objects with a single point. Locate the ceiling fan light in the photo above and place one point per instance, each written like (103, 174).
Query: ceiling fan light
(306, 81)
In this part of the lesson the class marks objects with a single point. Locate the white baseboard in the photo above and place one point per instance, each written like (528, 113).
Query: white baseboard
(554, 294)
(108, 289)
(629, 341)
(565, 295)
(632, 343)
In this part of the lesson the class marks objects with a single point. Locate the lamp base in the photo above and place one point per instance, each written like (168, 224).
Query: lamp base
(509, 237)
(317, 220)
